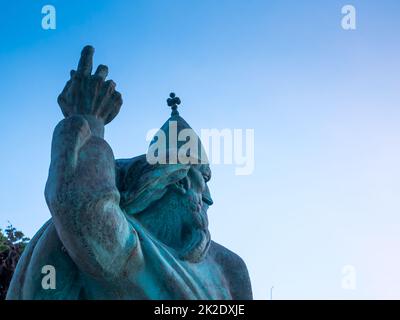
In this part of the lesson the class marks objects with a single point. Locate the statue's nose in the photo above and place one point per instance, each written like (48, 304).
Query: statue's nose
(206, 196)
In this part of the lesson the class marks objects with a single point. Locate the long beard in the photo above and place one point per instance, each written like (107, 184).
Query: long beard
(197, 247)
(183, 227)
(196, 235)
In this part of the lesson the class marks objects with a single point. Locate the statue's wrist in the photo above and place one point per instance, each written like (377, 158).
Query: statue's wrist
(96, 125)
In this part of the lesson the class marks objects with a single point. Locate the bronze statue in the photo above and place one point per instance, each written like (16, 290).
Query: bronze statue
(122, 229)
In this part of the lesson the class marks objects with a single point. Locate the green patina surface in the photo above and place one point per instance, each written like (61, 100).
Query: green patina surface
(122, 229)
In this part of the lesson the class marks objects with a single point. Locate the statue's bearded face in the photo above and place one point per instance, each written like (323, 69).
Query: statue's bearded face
(179, 218)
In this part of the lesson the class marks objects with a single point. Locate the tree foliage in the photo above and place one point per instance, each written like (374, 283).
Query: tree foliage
(12, 244)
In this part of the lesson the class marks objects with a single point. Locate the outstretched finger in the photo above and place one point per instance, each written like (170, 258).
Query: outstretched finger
(86, 61)
(102, 71)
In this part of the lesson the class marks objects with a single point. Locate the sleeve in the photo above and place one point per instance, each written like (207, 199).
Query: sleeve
(82, 196)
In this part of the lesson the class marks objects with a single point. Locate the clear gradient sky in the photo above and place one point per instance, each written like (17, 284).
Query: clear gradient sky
(324, 104)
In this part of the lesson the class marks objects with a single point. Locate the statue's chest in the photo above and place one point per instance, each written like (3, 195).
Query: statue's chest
(163, 276)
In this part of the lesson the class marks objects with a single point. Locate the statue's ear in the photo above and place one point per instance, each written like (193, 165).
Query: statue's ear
(181, 186)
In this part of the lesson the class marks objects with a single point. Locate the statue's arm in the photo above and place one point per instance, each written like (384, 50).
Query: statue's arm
(81, 191)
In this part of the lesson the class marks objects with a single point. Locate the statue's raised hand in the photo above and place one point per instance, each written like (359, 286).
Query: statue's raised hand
(91, 95)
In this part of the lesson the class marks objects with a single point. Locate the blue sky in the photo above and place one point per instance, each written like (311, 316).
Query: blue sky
(323, 102)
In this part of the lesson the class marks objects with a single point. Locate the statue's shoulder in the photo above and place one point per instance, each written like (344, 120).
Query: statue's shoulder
(45, 249)
(235, 270)
(224, 255)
